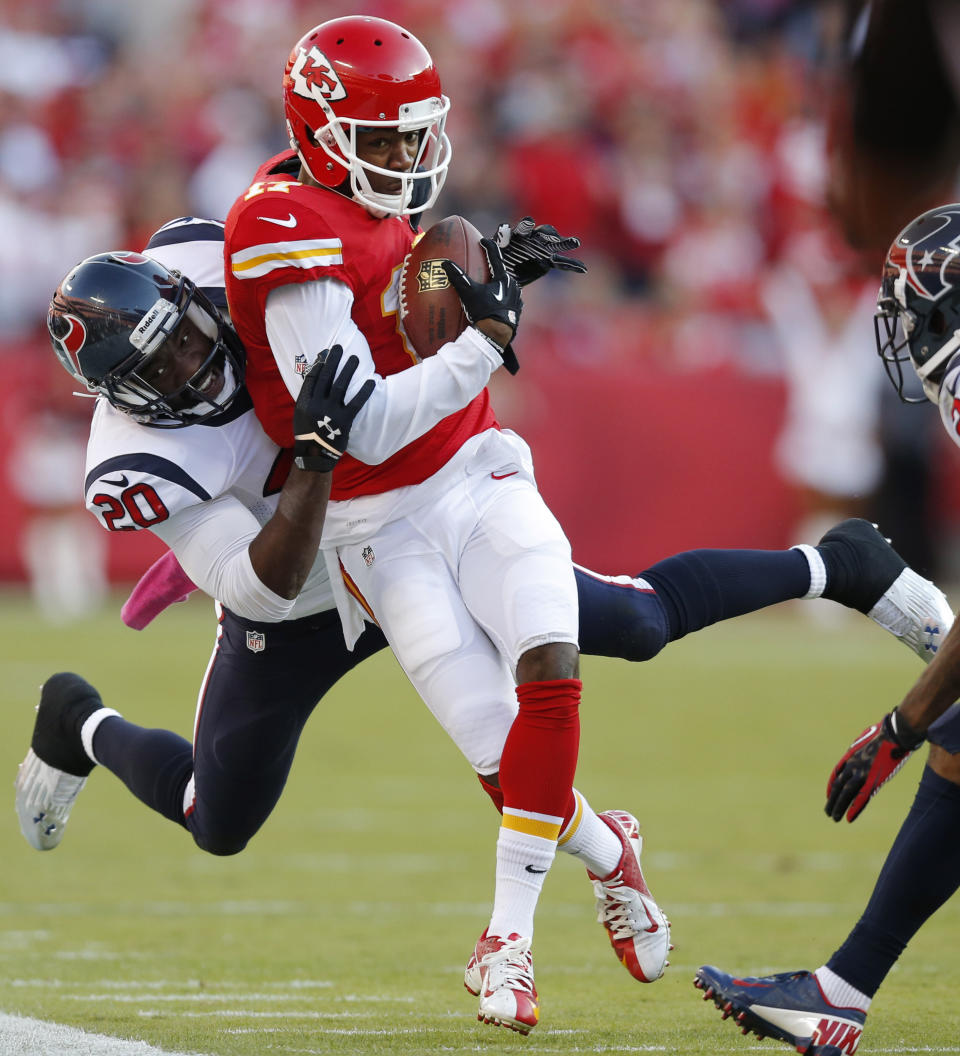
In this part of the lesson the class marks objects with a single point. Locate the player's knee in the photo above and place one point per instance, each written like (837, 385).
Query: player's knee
(641, 640)
(221, 844)
(545, 663)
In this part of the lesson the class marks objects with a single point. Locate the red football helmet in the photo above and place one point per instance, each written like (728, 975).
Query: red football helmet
(360, 72)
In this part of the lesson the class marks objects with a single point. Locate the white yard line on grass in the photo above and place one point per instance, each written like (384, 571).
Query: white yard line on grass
(20, 1036)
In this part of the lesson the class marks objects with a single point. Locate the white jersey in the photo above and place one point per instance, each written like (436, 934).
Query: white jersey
(205, 490)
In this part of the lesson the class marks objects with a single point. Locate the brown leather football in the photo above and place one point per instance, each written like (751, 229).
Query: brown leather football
(430, 310)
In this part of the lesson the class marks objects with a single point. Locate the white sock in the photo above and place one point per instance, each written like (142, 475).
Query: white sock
(839, 992)
(591, 840)
(522, 864)
(89, 728)
(818, 570)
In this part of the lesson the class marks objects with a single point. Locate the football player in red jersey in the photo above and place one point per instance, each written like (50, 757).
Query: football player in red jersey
(467, 577)
(443, 538)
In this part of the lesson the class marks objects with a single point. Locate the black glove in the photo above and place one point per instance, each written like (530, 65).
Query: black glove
(497, 299)
(873, 758)
(530, 251)
(321, 420)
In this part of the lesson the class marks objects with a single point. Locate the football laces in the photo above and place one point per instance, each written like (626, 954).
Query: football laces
(402, 289)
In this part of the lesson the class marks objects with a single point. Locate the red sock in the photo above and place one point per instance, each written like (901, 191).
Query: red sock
(493, 791)
(540, 754)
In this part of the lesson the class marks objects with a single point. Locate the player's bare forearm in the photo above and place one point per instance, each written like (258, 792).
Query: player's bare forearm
(285, 549)
(937, 688)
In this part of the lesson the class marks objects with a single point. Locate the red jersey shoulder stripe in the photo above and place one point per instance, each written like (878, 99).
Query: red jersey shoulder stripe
(256, 261)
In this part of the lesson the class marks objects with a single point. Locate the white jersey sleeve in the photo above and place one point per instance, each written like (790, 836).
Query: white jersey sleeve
(203, 490)
(302, 318)
(212, 541)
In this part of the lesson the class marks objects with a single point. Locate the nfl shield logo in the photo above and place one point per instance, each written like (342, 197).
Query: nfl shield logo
(300, 364)
(256, 641)
(368, 556)
(432, 276)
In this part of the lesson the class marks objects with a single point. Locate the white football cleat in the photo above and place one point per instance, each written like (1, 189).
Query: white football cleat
(57, 765)
(916, 611)
(500, 972)
(44, 799)
(864, 572)
(636, 926)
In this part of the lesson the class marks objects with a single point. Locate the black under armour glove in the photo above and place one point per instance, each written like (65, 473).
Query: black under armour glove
(497, 299)
(321, 418)
(530, 251)
(869, 763)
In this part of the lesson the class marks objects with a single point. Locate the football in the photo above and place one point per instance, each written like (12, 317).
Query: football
(430, 313)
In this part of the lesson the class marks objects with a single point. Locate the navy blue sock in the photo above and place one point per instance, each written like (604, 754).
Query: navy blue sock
(701, 587)
(154, 764)
(921, 872)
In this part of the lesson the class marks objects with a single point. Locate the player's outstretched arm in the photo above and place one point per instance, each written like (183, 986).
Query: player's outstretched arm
(285, 549)
(879, 752)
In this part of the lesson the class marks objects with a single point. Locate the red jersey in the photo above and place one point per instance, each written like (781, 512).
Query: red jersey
(329, 236)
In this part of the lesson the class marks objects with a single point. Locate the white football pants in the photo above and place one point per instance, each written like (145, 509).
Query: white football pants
(463, 586)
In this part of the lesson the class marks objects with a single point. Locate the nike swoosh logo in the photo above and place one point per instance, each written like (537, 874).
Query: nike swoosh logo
(118, 482)
(291, 220)
(865, 736)
(503, 476)
(531, 869)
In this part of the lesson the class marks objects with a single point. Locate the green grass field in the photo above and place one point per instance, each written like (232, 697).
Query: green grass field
(345, 925)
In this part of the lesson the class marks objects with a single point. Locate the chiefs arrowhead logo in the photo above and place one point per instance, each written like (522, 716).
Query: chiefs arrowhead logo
(315, 78)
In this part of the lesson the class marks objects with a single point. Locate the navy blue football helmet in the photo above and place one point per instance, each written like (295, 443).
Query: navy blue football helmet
(112, 314)
(918, 308)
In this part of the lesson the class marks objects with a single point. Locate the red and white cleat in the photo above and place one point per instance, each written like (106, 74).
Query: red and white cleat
(638, 930)
(500, 972)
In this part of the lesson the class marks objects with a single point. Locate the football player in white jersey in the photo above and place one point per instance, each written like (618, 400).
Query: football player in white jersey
(276, 655)
(823, 1013)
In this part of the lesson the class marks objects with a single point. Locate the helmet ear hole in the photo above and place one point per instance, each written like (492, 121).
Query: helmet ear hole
(938, 323)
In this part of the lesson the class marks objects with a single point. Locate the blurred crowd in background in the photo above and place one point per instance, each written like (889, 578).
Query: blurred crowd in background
(683, 140)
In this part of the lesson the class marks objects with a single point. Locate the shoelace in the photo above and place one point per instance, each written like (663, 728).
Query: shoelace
(510, 966)
(621, 909)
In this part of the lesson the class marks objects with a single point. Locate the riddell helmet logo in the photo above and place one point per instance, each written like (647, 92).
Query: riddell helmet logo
(315, 78)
